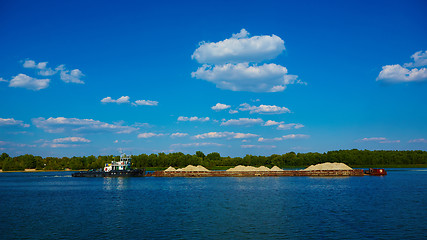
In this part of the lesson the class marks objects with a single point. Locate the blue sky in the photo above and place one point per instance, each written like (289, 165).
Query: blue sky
(242, 77)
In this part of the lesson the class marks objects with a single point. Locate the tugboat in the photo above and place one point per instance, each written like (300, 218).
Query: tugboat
(121, 168)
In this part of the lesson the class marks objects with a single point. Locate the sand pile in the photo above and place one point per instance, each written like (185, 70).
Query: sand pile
(328, 166)
(170, 169)
(241, 168)
(276, 168)
(191, 168)
(262, 168)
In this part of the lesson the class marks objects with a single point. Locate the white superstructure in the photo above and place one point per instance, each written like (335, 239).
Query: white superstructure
(123, 164)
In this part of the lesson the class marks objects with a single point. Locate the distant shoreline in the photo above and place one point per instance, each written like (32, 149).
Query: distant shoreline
(34, 170)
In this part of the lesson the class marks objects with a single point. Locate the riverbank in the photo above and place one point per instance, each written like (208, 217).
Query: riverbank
(36, 170)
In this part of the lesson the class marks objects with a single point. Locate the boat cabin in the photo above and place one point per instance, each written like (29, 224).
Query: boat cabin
(123, 164)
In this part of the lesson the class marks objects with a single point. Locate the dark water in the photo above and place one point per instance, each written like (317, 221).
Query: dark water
(57, 206)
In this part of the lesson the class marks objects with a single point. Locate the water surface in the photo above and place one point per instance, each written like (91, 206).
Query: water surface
(53, 205)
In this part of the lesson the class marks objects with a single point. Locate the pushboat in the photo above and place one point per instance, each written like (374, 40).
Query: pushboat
(122, 168)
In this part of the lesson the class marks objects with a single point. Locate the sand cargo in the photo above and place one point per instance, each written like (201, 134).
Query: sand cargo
(324, 169)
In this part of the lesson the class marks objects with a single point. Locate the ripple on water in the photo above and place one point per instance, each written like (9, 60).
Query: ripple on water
(56, 206)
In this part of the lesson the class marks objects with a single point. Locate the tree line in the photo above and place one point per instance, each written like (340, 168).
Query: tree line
(350, 157)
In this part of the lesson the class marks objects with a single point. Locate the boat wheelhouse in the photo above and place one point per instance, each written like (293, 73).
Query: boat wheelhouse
(123, 164)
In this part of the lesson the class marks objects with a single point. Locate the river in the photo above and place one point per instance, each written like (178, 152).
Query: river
(54, 205)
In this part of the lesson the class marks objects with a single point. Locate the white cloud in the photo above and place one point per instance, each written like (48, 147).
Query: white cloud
(233, 111)
(122, 99)
(59, 145)
(43, 70)
(390, 141)
(61, 124)
(192, 119)
(242, 34)
(41, 66)
(420, 140)
(228, 135)
(67, 142)
(12, 122)
(231, 64)
(244, 77)
(13, 144)
(138, 124)
(3, 80)
(270, 139)
(379, 140)
(258, 146)
(396, 74)
(240, 48)
(286, 137)
(68, 76)
(243, 135)
(71, 140)
(406, 73)
(220, 106)
(32, 64)
(264, 109)
(374, 139)
(122, 141)
(125, 99)
(47, 72)
(203, 144)
(73, 76)
(288, 126)
(295, 136)
(24, 81)
(145, 103)
(420, 59)
(150, 135)
(242, 121)
(178, 134)
(272, 123)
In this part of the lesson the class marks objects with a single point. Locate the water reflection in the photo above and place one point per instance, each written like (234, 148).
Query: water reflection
(115, 184)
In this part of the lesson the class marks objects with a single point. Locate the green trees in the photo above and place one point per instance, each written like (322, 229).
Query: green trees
(178, 159)
(200, 155)
(3, 157)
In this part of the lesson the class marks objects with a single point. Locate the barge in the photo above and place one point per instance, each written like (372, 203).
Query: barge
(122, 168)
(286, 173)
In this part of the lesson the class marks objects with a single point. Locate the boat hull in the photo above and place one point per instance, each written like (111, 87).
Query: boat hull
(114, 173)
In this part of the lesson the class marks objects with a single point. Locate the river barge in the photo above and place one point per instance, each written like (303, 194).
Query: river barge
(121, 168)
(285, 173)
